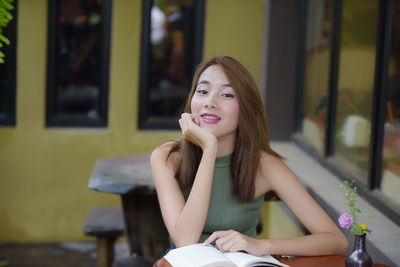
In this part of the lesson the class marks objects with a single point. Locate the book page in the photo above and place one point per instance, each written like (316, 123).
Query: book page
(244, 259)
(197, 255)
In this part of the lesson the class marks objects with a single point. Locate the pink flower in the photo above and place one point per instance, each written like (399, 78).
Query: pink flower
(345, 220)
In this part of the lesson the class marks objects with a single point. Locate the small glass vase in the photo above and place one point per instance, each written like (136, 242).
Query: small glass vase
(359, 256)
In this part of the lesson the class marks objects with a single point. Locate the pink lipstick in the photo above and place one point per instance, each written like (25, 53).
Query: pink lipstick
(210, 118)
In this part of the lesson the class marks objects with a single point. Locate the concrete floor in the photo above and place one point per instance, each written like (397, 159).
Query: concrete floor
(68, 254)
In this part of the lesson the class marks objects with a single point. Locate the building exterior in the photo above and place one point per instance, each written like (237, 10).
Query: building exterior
(88, 79)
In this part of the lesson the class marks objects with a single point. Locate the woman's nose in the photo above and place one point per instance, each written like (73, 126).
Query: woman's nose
(210, 102)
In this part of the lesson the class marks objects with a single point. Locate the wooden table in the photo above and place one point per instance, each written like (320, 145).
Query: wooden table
(317, 261)
(326, 261)
(130, 177)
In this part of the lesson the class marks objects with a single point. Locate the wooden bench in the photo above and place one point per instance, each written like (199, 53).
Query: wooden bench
(106, 224)
(130, 178)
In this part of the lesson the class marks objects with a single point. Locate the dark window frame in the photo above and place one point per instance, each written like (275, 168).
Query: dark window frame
(199, 11)
(333, 78)
(8, 117)
(333, 72)
(301, 47)
(368, 191)
(52, 118)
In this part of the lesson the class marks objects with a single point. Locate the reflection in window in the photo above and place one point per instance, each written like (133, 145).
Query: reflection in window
(316, 77)
(355, 85)
(169, 60)
(77, 70)
(390, 182)
(8, 73)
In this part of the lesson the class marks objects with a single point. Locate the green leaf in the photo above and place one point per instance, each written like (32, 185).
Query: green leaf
(8, 16)
(4, 39)
(6, 4)
(355, 229)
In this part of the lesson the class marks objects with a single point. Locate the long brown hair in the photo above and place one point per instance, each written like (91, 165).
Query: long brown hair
(251, 137)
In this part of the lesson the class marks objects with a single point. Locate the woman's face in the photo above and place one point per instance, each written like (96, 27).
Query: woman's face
(215, 104)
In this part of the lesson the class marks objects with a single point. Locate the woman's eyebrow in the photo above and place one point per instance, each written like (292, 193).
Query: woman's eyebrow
(227, 85)
(204, 82)
(208, 83)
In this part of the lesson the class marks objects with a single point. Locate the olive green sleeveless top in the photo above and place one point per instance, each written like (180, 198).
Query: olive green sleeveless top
(226, 212)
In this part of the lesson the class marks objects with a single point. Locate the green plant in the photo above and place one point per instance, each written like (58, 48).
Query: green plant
(348, 220)
(5, 17)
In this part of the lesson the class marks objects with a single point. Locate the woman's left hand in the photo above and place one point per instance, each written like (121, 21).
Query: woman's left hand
(233, 241)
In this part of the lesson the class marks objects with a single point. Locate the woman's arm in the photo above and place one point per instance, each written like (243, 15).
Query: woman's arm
(185, 220)
(325, 238)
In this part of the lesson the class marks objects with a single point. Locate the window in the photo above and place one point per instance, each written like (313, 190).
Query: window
(171, 47)
(350, 109)
(78, 61)
(355, 85)
(8, 73)
(390, 180)
(319, 34)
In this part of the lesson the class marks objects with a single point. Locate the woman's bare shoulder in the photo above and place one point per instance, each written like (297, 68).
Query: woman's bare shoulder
(271, 167)
(163, 153)
(269, 161)
(163, 149)
(267, 170)
(276, 172)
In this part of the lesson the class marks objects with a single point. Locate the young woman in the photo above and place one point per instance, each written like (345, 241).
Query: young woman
(212, 181)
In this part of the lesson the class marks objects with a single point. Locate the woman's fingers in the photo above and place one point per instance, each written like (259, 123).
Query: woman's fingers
(186, 121)
(183, 123)
(227, 241)
(191, 130)
(231, 241)
(196, 120)
(222, 239)
(214, 236)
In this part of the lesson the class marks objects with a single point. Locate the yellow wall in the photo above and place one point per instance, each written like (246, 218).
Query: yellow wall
(44, 172)
(276, 223)
(235, 28)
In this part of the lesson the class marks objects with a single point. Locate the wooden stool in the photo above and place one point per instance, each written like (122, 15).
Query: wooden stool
(106, 224)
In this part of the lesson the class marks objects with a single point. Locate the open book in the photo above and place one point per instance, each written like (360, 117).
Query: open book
(198, 255)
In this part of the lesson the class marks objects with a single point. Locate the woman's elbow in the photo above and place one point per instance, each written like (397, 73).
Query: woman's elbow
(184, 239)
(181, 242)
(342, 245)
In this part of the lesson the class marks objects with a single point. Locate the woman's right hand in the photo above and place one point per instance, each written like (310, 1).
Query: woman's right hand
(191, 130)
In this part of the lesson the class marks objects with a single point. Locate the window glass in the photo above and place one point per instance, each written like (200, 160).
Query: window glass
(78, 79)
(79, 56)
(355, 85)
(317, 68)
(170, 61)
(390, 182)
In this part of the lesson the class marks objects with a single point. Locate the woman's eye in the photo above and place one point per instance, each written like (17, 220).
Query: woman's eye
(228, 95)
(201, 91)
